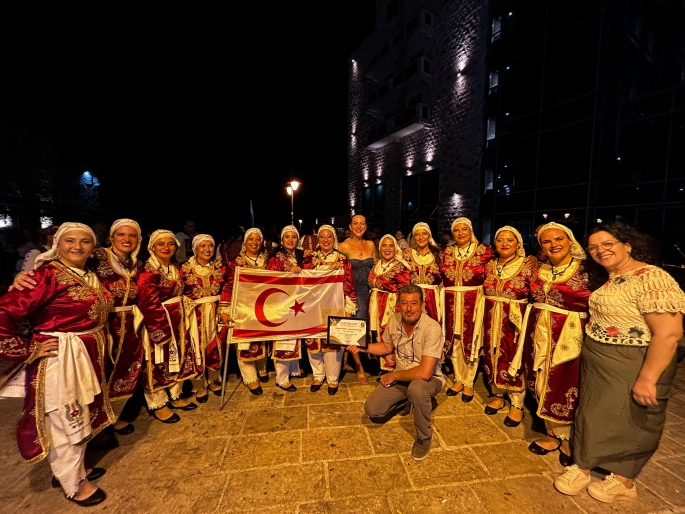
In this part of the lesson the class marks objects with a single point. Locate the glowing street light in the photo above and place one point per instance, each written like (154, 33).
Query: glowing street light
(292, 187)
(300, 225)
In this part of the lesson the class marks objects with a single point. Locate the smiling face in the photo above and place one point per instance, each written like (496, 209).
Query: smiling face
(506, 244)
(387, 248)
(75, 247)
(125, 240)
(422, 238)
(164, 249)
(410, 307)
(611, 258)
(556, 245)
(462, 234)
(204, 251)
(326, 241)
(289, 240)
(253, 244)
(358, 225)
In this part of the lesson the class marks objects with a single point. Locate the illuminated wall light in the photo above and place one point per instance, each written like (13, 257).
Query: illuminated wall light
(366, 184)
(378, 181)
(618, 158)
(332, 221)
(5, 220)
(567, 214)
(544, 216)
(456, 201)
(408, 172)
(599, 220)
(45, 221)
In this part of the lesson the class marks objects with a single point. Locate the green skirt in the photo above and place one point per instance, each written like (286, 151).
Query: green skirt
(613, 431)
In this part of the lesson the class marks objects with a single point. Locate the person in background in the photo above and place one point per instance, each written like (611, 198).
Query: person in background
(65, 389)
(401, 240)
(362, 255)
(44, 244)
(627, 364)
(185, 241)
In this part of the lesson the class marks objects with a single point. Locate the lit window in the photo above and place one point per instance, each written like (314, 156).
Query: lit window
(45, 221)
(5, 220)
(496, 28)
(491, 129)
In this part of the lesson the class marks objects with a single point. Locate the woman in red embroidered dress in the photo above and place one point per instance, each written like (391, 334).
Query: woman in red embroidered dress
(463, 273)
(117, 269)
(387, 276)
(203, 279)
(325, 359)
(251, 360)
(552, 337)
(66, 400)
(506, 287)
(169, 354)
(424, 262)
(286, 354)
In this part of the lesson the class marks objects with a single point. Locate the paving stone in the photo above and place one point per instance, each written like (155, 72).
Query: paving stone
(510, 458)
(271, 420)
(358, 505)
(458, 431)
(306, 397)
(443, 499)
(335, 443)
(349, 477)
(253, 451)
(661, 482)
(445, 467)
(337, 414)
(532, 494)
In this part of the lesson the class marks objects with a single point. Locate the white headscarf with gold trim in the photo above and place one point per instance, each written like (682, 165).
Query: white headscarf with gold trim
(53, 253)
(465, 221)
(424, 226)
(332, 230)
(126, 222)
(520, 251)
(577, 251)
(398, 253)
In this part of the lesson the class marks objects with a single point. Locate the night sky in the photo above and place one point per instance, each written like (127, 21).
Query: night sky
(190, 109)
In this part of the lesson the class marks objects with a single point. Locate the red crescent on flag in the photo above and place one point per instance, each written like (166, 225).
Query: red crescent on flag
(259, 306)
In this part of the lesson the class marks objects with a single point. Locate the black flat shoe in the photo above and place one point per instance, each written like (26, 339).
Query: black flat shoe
(565, 460)
(466, 398)
(511, 422)
(190, 406)
(125, 430)
(264, 378)
(174, 418)
(315, 387)
(452, 392)
(333, 390)
(94, 499)
(217, 392)
(290, 388)
(301, 374)
(491, 411)
(108, 444)
(202, 399)
(94, 474)
(256, 391)
(535, 448)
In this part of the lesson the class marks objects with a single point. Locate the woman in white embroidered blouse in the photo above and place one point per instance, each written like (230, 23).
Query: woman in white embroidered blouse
(627, 365)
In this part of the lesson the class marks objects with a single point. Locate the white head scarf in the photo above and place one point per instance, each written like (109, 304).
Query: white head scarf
(465, 221)
(520, 251)
(577, 251)
(289, 228)
(199, 238)
(53, 253)
(157, 235)
(125, 222)
(332, 230)
(247, 233)
(398, 250)
(424, 226)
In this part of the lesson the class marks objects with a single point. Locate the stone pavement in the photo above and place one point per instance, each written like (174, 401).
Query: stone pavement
(313, 453)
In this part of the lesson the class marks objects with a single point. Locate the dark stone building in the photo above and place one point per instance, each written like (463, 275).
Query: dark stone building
(520, 112)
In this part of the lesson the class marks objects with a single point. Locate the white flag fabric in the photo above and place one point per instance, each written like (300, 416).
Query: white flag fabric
(276, 305)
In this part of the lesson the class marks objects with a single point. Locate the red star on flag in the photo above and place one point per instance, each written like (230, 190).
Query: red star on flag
(297, 307)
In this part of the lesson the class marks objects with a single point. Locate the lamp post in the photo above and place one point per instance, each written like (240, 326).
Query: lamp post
(292, 187)
(300, 225)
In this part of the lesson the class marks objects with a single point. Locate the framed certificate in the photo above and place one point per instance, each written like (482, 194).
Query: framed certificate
(348, 331)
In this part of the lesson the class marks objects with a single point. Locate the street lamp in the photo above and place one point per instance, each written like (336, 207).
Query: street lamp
(300, 225)
(292, 187)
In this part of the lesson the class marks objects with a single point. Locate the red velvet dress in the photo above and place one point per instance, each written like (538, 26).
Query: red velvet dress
(427, 276)
(282, 262)
(384, 283)
(170, 356)
(204, 286)
(60, 302)
(461, 280)
(332, 261)
(506, 298)
(125, 356)
(552, 362)
(258, 349)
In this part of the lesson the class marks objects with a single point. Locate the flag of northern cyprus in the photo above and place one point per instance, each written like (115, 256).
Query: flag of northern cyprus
(276, 306)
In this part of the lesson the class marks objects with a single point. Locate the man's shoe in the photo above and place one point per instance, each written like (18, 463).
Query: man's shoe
(611, 489)
(420, 448)
(572, 481)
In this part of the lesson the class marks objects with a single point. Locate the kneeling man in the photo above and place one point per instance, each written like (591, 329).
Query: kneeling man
(417, 341)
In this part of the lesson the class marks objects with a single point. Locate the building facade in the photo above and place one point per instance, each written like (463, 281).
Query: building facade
(520, 112)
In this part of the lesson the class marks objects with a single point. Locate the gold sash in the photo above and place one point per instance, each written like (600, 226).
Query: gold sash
(498, 312)
(478, 313)
(438, 303)
(373, 308)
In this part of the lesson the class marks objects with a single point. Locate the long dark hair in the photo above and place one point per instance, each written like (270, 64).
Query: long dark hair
(643, 248)
(299, 253)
